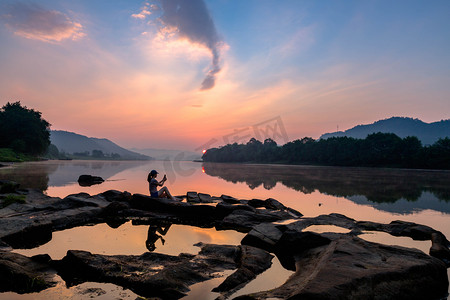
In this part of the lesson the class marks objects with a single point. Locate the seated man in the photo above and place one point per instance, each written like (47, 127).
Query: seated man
(153, 186)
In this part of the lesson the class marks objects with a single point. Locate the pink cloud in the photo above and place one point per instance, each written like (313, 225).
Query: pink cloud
(32, 21)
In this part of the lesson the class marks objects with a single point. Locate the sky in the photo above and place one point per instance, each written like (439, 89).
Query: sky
(177, 74)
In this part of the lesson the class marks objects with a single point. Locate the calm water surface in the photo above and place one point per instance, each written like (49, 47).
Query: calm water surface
(380, 195)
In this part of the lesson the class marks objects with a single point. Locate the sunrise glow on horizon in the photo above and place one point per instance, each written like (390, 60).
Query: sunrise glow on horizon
(175, 74)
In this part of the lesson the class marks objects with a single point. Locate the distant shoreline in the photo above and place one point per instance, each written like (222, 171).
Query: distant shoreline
(284, 164)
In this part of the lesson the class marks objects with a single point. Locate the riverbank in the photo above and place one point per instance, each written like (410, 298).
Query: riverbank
(270, 227)
(8, 155)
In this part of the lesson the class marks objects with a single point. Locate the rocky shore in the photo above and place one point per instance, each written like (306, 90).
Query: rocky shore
(326, 265)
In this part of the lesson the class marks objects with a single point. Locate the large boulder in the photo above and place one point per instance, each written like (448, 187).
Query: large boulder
(205, 198)
(113, 195)
(293, 243)
(274, 204)
(251, 262)
(229, 199)
(351, 268)
(264, 236)
(440, 247)
(88, 180)
(22, 274)
(180, 209)
(166, 276)
(192, 197)
(25, 234)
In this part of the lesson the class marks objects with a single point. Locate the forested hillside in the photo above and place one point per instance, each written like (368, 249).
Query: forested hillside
(80, 145)
(427, 133)
(377, 150)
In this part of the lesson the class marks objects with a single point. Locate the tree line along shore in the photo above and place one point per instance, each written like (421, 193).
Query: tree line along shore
(376, 150)
(25, 135)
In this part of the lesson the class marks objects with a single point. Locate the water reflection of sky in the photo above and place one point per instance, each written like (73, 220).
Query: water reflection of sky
(362, 194)
(383, 193)
(130, 239)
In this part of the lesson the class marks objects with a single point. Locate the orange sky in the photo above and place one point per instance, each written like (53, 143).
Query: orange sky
(129, 73)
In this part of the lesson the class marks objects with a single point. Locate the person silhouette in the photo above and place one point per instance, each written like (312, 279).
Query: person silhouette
(153, 237)
(153, 186)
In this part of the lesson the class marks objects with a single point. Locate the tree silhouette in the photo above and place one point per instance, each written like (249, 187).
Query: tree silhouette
(23, 129)
(376, 150)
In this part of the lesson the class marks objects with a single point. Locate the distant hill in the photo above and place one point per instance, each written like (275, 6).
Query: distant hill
(163, 154)
(428, 133)
(70, 143)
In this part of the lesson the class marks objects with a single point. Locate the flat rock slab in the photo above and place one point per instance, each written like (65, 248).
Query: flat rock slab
(351, 268)
(22, 274)
(327, 266)
(169, 277)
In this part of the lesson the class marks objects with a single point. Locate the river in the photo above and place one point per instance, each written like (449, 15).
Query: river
(371, 194)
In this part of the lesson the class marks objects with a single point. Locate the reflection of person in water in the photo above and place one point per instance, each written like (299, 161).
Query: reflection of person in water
(153, 186)
(152, 236)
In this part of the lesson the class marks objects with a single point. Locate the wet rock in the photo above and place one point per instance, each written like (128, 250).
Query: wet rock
(229, 199)
(264, 236)
(8, 186)
(413, 230)
(273, 204)
(113, 195)
(89, 180)
(180, 209)
(331, 219)
(26, 234)
(244, 220)
(159, 275)
(354, 265)
(223, 209)
(4, 246)
(439, 247)
(294, 213)
(251, 261)
(192, 197)
(399, 228)
(256, 203)
(21, 274)
(205, 198)
(31, 224)
(351, 268)
(293, 243)
(79, 200)
(115, 209)
(216, 199)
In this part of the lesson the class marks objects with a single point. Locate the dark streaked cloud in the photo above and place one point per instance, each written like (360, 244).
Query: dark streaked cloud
(32, 21)
(193, 22)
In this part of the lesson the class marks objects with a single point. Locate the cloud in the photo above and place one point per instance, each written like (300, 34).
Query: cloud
(146, 10)
(32, 21)
(191, 21)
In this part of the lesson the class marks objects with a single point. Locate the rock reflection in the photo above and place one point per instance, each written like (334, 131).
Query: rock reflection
(377, 185)
(41, 175)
